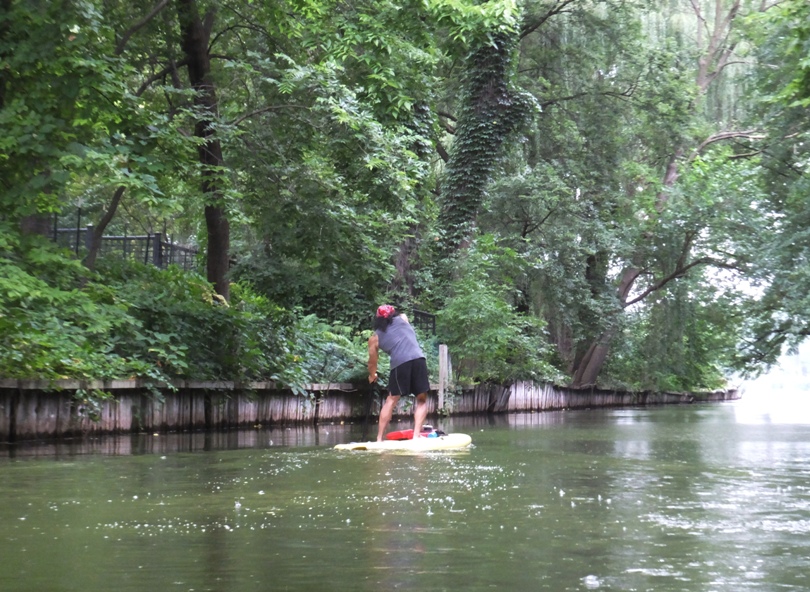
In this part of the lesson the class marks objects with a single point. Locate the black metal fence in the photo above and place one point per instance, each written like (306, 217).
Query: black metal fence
(424, 321)
(148, 248)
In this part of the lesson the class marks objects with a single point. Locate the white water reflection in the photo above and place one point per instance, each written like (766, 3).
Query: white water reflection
(782, 396)
(763, 403)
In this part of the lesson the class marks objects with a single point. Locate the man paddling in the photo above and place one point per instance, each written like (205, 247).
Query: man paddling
(409, 375)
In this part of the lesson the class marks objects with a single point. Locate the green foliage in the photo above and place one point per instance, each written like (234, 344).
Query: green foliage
(561, 120)
(683, 336)
(344, 191)
(783, 37)
(50, 329)
(487, 338)
(134, 320)
(474, 24)
(66, 109)
(252, 339)
(590, 201)
(778, 321)
(562, 240)
(683, 341)
(331, 352)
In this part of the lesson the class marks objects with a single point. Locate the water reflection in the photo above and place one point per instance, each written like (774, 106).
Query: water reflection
(688, 498)
(766, 405)
(164, 443)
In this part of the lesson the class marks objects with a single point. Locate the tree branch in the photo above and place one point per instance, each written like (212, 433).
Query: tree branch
(119, 49)
(528, 29)
(158, 75)
(717, 39)
(746, 155)
(726, 135)
(98, 231)
(561, 99)
(445, 156)
(678, 273)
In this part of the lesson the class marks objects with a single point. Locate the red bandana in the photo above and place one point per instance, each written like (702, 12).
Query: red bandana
(385, 311)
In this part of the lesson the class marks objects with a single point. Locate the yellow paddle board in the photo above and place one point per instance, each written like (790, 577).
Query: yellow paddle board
(446, 442)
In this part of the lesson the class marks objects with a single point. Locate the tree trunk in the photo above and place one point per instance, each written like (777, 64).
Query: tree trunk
(490, 112)
(98, 230)
(403, 282)
(218, 262)
(195, 39)
(36, 224)
(589, 367)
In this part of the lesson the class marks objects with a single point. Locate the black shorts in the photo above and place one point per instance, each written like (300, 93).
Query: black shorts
(410, 378)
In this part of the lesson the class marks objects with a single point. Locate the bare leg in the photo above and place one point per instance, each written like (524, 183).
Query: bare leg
(386, 413)
(419, 414)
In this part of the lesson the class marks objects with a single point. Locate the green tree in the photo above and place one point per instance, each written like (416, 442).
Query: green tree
(779, 319)
(488, 338)
(337, 150)
(595, 199)
(195, 31)
(565, 177)
(62, 96)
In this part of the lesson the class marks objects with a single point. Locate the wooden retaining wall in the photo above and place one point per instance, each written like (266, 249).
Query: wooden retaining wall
(532, 396)
(31, 410)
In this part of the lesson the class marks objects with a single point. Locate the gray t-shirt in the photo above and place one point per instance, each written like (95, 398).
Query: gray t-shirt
(399, 342)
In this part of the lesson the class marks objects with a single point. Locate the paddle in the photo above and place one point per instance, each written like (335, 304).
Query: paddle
(375, 391)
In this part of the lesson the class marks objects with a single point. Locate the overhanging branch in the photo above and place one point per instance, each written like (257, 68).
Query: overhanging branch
(726, 135)
(530, 28)
(679, 273)
(119, 49)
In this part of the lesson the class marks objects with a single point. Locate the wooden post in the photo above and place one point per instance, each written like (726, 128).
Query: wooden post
(157, 250)
(78, 229)
(88, 237)
(443, 370)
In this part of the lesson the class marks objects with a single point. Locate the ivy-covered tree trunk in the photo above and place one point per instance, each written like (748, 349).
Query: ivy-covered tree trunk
(403, 283)
(490, 111)
(196, 35)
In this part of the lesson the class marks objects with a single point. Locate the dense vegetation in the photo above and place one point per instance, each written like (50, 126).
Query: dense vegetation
(587, 191)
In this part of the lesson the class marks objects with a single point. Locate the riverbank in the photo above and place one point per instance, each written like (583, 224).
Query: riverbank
(35, 410)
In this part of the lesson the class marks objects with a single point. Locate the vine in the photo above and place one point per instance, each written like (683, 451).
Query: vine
(491, 111)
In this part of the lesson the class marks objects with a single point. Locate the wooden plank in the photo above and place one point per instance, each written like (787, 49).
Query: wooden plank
(444, 365)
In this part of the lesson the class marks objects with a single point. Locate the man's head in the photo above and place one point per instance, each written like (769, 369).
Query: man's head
(385, 314)
(386, 311)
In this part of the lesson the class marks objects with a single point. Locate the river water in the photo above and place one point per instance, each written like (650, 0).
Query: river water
(681, 498)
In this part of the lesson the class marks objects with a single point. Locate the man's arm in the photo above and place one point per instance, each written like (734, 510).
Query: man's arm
(373, 355)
